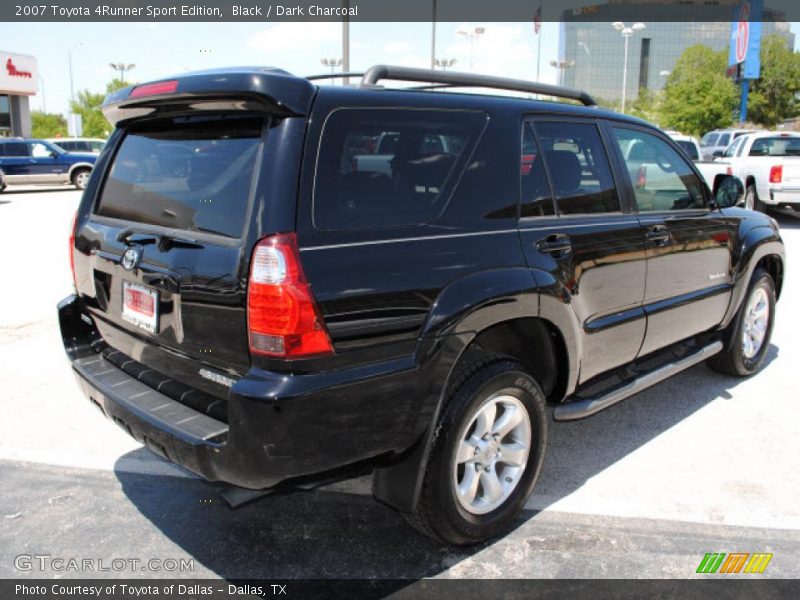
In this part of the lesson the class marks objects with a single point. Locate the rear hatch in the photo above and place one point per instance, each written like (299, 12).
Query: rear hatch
(163, 240)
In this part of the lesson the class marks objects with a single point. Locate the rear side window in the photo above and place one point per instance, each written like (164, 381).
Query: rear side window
(17, 149)
(536, 198)
(578, 167)
(194, 174)
(688, 147)
(390, 167)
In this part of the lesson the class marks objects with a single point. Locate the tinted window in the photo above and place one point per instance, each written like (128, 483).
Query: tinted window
(17, 149)
(690, 149)
(578, 168)
(185, 173)
(661, 177)
(709, 139)
(404, 178)
(537, 200)
(723, 139)
(776, 146)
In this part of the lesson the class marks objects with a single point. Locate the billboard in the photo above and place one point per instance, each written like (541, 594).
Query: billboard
(745, 47)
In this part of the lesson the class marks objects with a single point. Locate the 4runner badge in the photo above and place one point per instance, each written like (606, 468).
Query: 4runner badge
(131, 258)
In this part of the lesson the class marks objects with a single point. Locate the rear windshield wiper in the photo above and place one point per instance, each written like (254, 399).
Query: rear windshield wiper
(130, 236)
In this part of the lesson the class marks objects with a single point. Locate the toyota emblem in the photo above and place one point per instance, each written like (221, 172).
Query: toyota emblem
(131, 258)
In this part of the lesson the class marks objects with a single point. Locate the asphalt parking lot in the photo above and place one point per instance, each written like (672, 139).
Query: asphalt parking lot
(700, 463)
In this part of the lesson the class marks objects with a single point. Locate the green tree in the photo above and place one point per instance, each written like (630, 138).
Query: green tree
(773, 97)
(88, 104)
(646, 106)
(47, 125)
(698, 95)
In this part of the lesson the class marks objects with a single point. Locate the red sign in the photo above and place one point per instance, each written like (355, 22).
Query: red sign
(14, 72)
(743, 33)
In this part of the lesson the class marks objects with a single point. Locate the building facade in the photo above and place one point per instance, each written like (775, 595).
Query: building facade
(19, 80)
(593, 51)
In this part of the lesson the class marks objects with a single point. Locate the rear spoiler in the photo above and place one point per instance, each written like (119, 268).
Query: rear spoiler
(252, 88)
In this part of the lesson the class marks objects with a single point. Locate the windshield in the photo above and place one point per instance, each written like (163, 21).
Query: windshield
(776, 146)
(185, 173)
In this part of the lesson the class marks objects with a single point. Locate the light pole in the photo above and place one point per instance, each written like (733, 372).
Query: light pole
(69, 61)
(122, 68)
(562, 66)
(444, 63)
(627, 33)
(332, 63)
(472, 36)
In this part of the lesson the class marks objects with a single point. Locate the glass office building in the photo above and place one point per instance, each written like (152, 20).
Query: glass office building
(591, 50)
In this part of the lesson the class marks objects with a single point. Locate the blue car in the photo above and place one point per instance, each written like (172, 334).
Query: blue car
(25, 161)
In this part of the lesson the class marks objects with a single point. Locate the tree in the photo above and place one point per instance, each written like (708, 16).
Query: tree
(698, 95)
(772, 98)
(47, 125)
(88, 107)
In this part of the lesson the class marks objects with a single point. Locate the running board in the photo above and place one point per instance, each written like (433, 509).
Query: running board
(579, 409)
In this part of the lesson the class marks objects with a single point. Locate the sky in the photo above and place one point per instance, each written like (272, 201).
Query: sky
(160, 50)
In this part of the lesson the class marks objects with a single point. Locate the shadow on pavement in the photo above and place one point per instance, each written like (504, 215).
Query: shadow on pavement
(328, 534)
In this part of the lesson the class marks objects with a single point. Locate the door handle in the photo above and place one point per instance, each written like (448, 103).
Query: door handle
(659, 235)
(556, 243)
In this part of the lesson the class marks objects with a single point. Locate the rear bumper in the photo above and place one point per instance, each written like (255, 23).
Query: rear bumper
(280, 426)
(784, 196)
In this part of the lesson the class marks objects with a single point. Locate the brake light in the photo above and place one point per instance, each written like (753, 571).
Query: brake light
(154, 89)
(776, 174)
(72, 248)
(283, 318)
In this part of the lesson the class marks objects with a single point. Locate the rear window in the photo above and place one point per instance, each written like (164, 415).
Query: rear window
(689, 148)
(189, 173)
(776, 146)
(390, 167)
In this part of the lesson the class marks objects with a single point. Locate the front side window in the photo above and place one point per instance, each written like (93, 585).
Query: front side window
(39, 150)
(578, 168)
(390, 167)
(662, 179)
(190, 173)
(723, 140)
(731, 150)
(709, 139)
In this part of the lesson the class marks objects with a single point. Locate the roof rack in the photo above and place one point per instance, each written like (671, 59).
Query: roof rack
(333, 76)
(455, 79)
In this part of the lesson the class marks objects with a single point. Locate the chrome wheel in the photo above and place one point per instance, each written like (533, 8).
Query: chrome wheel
(756, 322)
(82, 179)
(492, 454)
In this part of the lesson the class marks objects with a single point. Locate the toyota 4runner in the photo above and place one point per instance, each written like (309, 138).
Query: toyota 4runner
(257, 302)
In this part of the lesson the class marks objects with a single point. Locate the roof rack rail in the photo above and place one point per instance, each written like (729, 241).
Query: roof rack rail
(333, 76)
(455, 79)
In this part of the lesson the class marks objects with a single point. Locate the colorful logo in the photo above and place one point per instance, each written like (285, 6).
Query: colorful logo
(735, 562)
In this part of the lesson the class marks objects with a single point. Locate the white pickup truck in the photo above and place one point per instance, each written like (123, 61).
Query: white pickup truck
(713, 171)
(768, 165)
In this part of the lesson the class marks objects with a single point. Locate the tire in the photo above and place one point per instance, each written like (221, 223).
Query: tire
(444, 514)
(80, 178)
(751, 200)
(737, 357)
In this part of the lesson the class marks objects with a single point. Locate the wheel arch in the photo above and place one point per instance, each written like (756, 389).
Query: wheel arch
(77, 166)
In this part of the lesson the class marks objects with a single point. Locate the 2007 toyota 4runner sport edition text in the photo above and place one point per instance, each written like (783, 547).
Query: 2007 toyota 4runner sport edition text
(259, 304)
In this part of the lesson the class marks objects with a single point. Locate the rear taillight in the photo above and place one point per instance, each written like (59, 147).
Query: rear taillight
(154, 89)
(282, 315)
(641, 177)
(72, 248)
(776, 174)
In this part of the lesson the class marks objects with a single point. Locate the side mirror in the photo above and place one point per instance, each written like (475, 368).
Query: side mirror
(729, 192)
(53, 153)
(718, 153)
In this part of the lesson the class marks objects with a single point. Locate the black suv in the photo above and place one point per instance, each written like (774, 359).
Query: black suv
(278, 282)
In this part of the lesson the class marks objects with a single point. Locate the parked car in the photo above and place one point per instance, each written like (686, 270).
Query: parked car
(713, 143)
(291, 318)
(79, 144)
(25, 161)
(713, 171)
(768, 164)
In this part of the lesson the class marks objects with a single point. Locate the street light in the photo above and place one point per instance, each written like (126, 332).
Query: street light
(627, 33)
(122, 68)
(472, 36)
(585, 48)
(444, 63)
(69, 61)
(562, 66)
(332, 63)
